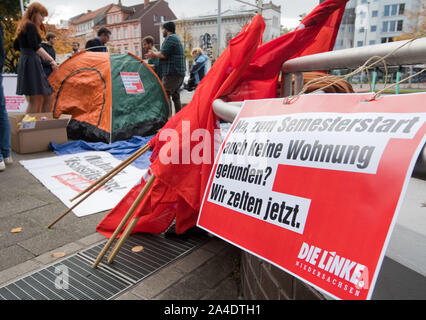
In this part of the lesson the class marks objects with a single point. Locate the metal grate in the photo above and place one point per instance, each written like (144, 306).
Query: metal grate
(107, 281)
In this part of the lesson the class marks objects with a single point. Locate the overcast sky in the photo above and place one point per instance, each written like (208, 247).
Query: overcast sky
(290, 9)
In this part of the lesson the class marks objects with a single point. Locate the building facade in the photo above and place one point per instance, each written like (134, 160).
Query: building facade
(128, 24)
(83, 25)
(202, 31)
(369, 22)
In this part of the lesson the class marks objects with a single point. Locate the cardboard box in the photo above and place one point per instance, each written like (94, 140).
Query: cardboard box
(36, 136)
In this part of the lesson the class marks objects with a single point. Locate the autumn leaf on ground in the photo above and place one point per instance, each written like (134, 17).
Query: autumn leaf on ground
(58, 254)
(16, 230)
(137, 249)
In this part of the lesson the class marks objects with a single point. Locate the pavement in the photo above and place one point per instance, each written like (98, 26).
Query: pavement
(208, 272)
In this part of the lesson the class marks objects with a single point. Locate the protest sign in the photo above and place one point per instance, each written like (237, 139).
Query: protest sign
(132, 82)
(66, 176)
(314, 186)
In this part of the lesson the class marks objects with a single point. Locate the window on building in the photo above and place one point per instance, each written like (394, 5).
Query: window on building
(373, 28)
(401, 8)
(136, 50)
(163, 18)
(372, 42)
(155, 18)
(361, 30)
(126, 50)
(387, 11)
(136, 31)
(399, 25)
(117, 18)
(392, 26)
(374, 13)
(360, 43)
(125, 33)
(118, 34)
(364, 1)
(110, 21)
(385, 26)
(394, 9)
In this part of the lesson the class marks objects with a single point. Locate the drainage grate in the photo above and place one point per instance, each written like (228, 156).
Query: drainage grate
(107, 281)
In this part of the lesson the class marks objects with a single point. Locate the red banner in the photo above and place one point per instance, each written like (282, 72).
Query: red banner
(314, 186)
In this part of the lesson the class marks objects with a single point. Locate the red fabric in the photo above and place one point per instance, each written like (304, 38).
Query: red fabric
(316, 33)
(245, 70)
(178, 188)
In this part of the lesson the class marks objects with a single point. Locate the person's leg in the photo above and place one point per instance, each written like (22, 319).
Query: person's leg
(47, 103)
(176, 83)
(168, 86)
(35, 104)
(4, 125)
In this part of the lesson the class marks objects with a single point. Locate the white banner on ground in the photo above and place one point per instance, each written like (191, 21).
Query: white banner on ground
(65, 176)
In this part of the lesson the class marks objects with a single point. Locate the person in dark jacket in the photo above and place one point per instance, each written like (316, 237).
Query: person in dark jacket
(32, 80)
(48, 46)
(5, 154)
(98, 44)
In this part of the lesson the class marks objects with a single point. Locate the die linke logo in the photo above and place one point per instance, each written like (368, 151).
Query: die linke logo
(333, 268)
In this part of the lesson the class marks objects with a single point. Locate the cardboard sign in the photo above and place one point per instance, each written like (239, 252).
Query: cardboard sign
(14, 103)
(132, 82)
(314, 186)
(66, 176)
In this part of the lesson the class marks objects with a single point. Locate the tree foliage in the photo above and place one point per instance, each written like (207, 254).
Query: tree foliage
(10, 13)
(416, 22)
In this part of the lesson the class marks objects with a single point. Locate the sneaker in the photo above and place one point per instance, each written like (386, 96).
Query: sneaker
(8, 160)
(2, 166)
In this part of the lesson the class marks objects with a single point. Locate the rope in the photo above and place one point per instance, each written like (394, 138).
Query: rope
(360, 69)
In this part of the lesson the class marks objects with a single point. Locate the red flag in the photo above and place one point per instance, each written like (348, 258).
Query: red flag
(316, 33)
(243, 71)
(178, 189)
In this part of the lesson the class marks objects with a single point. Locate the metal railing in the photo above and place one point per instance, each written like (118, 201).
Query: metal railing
(405, 54)
(407, 260)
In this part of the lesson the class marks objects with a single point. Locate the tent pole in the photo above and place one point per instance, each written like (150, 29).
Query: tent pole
(120, 167)
(92, 191)
(124, 221)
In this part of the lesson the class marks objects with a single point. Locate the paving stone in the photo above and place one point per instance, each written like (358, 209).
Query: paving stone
(158, 282)
(68, 249)
(19, 270)
(193, 260)
(29, 230)
(13, 255)
(48, 240)
(92, 239)
(128, 296)
(228, 289)
(12, 203)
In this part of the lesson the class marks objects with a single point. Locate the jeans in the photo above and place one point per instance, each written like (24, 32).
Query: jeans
(4, 125)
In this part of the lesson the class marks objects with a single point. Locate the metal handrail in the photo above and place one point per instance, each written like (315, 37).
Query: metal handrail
(405, 54)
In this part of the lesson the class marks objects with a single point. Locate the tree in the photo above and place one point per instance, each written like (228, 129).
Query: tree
(285, 30)
(64, 38)
(416, 20)
(10, 13)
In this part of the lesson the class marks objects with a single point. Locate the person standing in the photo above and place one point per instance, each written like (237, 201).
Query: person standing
(32, 80)
(98, 44)
(75, 47)
(171, 68)
(5, 154)
(198, 69)
(148, 44)
(48, 47)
